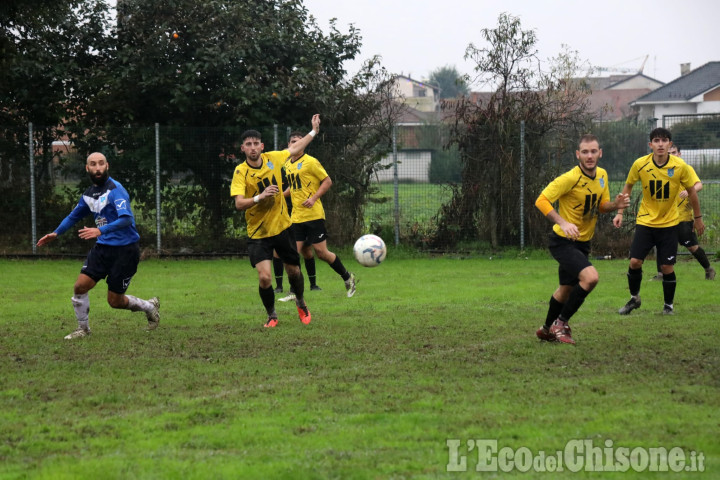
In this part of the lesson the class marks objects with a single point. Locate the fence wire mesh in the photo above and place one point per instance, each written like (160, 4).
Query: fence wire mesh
(407, 192)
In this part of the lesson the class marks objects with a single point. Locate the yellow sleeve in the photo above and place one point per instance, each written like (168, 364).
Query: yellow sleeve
(237, 187)
(543, 204)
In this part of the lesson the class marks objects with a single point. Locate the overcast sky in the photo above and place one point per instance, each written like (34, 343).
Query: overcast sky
(417, 36)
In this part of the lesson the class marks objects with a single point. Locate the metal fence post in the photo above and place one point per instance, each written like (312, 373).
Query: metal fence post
(522, 185)
(33, 208)
(396, 186)
(275, 136)
(157, 188)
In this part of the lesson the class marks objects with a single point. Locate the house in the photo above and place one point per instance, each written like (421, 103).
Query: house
(611, 97)
(696, 92)
(419, 95)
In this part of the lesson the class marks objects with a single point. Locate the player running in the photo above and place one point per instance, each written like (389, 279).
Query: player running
(116, 253)
(581, 193)
(661, 176)
(686, 236)
(256, 187)
(308, 181)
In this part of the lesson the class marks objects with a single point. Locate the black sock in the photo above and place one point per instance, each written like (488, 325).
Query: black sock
(575, 300)
(634, 280)
(310, 268)
(554, 310)
(278, 269)
(267, 295)
(701, 257)
(338, 266)
(669, 283)
(297, 283)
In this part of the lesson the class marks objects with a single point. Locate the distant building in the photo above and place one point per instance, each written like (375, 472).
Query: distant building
(416, 94)
(694, 92)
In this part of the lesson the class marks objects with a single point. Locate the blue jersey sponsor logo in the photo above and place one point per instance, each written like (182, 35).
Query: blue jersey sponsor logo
(671, 172)
(270, 165)
(120, 204)
(602, 183)
(299, 165)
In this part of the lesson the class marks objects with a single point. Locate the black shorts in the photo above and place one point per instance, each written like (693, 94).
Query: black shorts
(686, 235)
(310, 232)
(262, 249)
(117, 263)
(665, 240)
(572, 257)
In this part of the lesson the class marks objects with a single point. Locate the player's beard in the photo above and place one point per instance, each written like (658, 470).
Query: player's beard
(100, 179)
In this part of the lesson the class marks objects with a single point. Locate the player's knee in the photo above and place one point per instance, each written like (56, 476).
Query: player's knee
(292, 270)
(265, 279)
(589, 278)
(116, 300)
(636, 263)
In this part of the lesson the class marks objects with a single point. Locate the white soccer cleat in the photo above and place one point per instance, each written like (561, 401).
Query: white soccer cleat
(153, 316)
(78, 333)
(350, 285)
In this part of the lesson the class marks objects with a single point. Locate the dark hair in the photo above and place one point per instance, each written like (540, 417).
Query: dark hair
(250, 134)
(296, 133)
(676, 148)
(587, 138)
(660, 133)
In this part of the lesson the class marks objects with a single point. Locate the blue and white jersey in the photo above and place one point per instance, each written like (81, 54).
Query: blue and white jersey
(110, 205)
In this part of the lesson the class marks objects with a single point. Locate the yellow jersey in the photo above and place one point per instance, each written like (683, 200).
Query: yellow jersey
(661, 186)
(579, 198)
(304, 177)
(685, 210)
(264, 219)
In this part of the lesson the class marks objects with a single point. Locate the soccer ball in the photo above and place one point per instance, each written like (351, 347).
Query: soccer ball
(369, 250)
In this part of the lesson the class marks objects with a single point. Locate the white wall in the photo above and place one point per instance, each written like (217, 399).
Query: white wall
(412, 166)
(698, 158)
(708, 107)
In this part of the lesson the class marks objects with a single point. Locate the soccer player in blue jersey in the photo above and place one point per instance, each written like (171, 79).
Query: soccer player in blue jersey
(116, 253)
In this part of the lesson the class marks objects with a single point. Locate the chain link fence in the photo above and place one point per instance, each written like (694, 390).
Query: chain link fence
(179, 178)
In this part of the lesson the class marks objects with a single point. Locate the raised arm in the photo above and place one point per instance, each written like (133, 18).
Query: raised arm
(300, 145)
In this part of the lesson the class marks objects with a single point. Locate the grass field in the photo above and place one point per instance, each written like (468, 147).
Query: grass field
(429, 350)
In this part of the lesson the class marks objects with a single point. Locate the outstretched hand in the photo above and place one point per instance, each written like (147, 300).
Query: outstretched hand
(47, 239)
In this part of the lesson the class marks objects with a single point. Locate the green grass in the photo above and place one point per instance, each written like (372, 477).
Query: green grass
(429, 349)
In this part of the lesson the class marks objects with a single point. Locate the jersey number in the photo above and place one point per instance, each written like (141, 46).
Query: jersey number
(658, 190)
(264, 183)
(294, 180)
(590, 203)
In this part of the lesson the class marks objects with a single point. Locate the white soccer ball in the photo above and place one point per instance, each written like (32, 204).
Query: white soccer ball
(370, 250)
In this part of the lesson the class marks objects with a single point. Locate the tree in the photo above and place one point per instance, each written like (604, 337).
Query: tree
(52, 55)
(204, 71)
(229, 65)
(485, 203)
(452, 84)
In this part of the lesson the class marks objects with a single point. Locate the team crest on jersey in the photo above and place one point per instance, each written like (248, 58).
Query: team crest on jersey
(671, 172)
(270, 165)
(299, 166)
(602, 183)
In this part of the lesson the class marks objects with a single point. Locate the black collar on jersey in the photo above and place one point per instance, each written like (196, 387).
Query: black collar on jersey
(660, 166)
(293, 161)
